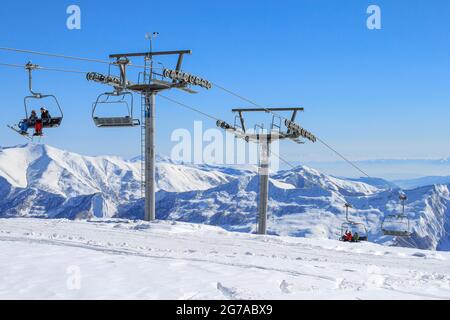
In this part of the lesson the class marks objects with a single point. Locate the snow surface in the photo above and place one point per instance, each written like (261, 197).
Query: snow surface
(45, 182)
(122, 259)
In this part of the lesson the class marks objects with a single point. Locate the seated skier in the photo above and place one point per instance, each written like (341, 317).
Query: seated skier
(25, 124)
(38, 128)
(45, 116)
(348, 237)
(345, 236)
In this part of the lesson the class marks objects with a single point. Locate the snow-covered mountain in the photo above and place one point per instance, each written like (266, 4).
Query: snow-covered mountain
(41, 181)
(38, 180)
(305, 203)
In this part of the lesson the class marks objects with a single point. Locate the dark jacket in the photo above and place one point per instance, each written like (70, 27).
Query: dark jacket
(45, 115)
(32, 119)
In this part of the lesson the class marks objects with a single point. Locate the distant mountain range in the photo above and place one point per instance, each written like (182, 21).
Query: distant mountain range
(422, 182)
(41, 181)
(393, 170)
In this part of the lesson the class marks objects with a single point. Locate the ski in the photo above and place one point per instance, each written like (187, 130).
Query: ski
(26, 136)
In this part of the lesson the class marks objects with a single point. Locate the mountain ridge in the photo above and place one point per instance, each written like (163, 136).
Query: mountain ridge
(45, 182)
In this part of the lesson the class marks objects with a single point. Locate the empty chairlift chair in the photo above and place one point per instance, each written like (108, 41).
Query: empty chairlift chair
(398, 225)
(122, 100)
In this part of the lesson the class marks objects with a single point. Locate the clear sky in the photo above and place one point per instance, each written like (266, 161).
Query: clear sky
(369, 93)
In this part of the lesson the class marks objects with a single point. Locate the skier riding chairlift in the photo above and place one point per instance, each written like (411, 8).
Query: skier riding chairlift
(347, 237)
(24, 125)
(46, 121)
(38, 128)
(45, 115)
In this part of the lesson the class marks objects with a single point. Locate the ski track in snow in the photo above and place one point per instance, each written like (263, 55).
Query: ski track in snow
(163, 260)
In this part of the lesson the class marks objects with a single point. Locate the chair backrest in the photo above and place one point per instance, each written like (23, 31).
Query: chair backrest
(396, 225)
(52, 105)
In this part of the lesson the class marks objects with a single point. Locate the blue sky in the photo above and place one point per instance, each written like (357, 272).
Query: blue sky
(369, 93)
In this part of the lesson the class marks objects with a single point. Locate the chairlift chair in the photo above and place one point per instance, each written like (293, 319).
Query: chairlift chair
(54, 121)
(117, 98)
(398, 225)
(354, 227)
(50, 123)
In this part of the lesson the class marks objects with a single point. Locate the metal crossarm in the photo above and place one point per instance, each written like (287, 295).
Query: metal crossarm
(149, 54)
(264, 140)
(267, 110)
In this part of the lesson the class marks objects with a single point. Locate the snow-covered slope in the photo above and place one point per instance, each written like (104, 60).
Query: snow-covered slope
(38, 180)
(111, 259)
(305, 203)
(41, 181)
(179, 178)
(301, 193)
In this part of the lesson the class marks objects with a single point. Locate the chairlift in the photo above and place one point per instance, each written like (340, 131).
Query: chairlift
(353, 227)
(47, 123)
(43, 101)
(121, 99)
(398, 225)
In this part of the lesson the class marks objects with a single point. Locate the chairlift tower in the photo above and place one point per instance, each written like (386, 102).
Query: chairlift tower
(148, 88)
(264, 140)
(347, 206)
(403, 198)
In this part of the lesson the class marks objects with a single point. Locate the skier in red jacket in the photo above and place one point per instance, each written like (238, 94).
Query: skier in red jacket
(348, 236)
(38, 128)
